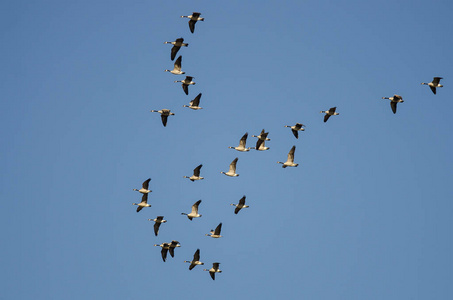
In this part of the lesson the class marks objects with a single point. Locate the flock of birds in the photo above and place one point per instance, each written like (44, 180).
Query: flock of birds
(259, 146)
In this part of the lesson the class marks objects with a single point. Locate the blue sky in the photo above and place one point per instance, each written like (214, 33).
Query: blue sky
(365, 215)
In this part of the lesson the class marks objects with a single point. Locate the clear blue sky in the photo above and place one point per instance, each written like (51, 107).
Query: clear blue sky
(367, 214)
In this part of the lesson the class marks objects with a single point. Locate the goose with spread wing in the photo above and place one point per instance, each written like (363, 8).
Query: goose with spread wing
(164, 113)
(194, 104)
(194, 17)
(177, 44)
(433, 84)
(296, 128)
(394, 101)
(142, 204)
(194, 213)
(195, 261)
(232, 171)
(240, 205)
(215, 233)
(176, 67)
(196, 174)
(290, 161)
(159, 220)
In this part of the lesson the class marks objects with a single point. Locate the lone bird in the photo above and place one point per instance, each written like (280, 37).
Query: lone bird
(185, 83)
(215, 233)
(290, 161)
(213, 270)
(394, 101)
(240, 205)
(296, 128)
(242, 143)
(177, 67)
(232, 171)
(142, 204)
(176, 46)
(193, 19)
(194, 104)
(196, 174)
(145, 185)
(434, 84)
(159, 220)
(330, 112)
(164, 113)
(194, 213)
(195, 261)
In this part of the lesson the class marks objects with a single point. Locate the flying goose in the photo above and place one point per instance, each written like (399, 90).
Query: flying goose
(213, 270)
(394, 101)
(196, 174)
(330, 112)
(159, 220)
(290, 161)
(240, 205)
(194, 103)
(193, 19)
(172, 246)
(164, 113)
(195, 261)
(145, 185)
(215, 233)
(296, 128)
(242, 143)
(261, 138)
(232, 171)
(165, 247)
(176, 46)
(194, 212)
(185, 83)
(142, 204)
(177, 67)
(434, 84)
(262, 146)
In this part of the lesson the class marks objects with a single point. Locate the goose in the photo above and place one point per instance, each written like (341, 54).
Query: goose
(296, 128)
(172, 246)
(142, 204)
(232, 171)
(330, 112)
(193, 19)
(195, 261)
(194, 212)
(242, 143)
(213, 270)
(261, 138)
(196, 174)
(261, 147)
(164, 113)
(165, 247)
(145, 185)
(159, 220)
(215, 233)
(290, 161)
(240, 205)
(394, 101)
(185, 83)
(434, 84)
(194, 103)
(177, 67)
(177, 44)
